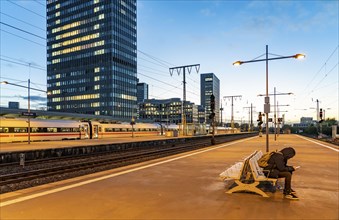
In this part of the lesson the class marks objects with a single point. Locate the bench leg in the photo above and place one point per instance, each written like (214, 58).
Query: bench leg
(247, 187)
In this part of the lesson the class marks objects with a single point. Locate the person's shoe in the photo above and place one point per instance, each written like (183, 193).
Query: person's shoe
(291, 196)
(293, 192)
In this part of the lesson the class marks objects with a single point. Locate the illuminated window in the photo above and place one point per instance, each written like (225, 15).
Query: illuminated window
(97, 112)
(97, 78)
(57, 6)
(96, 1)
(57, 83)
(95, 104)
(55, 61)
(57, 107)
(57, 21)
(96, 87)
(98, 52)
(96, 26)
(57, 14)
(96, 9)
(102, 16)
(97, 69)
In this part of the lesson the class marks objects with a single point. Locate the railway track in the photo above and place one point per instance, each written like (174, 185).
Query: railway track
(37, 172)
(89, 164)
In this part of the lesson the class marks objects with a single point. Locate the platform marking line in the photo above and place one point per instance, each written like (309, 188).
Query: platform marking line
(10, 202)
(318, 143)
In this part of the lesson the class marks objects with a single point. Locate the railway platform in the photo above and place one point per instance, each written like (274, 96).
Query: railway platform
(187, 186)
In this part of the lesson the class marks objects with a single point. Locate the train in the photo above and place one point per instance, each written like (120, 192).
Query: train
(16, 129)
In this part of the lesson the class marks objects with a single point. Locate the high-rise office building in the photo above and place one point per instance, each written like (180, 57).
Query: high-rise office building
(142, 92)
(210, 84)
(92, 57)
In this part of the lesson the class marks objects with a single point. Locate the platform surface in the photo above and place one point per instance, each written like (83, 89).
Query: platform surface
(187, 186)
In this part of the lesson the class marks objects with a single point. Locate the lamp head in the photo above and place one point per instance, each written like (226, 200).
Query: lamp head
(237, 63)
(299, 56)
(4, 82)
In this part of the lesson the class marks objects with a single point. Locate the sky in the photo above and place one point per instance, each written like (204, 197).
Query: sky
(213, 34)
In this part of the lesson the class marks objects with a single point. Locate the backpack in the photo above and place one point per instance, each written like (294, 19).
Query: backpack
(263, 160)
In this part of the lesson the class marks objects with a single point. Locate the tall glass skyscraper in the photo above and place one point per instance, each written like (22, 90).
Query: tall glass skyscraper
(210, 84)
(92, 57)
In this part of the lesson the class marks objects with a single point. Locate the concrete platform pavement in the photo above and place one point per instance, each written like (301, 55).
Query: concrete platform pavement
(187, 186)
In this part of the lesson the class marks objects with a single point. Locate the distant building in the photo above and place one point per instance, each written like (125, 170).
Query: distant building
(305, 122)
(142, 92)
(92, 57)
(14, 105)
(201, 114)
(167, 111)
(210, 84)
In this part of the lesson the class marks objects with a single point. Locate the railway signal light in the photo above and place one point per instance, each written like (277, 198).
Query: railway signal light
(211, 116)
(212, 102)
(259, 119)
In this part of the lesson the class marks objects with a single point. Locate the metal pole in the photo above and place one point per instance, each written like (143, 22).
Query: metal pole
(221, 109)
(251, 117)
(275, 116)
(183, 117)
(29, 110)
(232, 122)
(267, 102)
(278, 129)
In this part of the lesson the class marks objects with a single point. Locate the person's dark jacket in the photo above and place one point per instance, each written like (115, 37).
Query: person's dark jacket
(278, 162)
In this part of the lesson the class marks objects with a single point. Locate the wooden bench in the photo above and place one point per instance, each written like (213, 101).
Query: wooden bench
(247, 175)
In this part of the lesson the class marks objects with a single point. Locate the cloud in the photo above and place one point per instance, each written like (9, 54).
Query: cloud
(35, 98)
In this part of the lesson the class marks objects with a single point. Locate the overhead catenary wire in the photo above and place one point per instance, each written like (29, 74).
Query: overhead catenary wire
(40, 3)
(22, 64)
(23, 38)
(27, 32)
(33, 12)
(23, 21)
(324, 65)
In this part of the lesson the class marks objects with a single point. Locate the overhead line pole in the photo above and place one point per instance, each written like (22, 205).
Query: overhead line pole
(232, 117)
(178, 69)
(250, 115)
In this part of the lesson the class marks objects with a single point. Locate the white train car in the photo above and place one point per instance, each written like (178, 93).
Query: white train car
(126, 130)
(16, 130)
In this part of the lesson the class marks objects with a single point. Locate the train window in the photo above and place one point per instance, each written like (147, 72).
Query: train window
(34, 130)
(51, 129)
(99, 129)
(4, 130)
(65, 129)
(20, 130)
(123, 129)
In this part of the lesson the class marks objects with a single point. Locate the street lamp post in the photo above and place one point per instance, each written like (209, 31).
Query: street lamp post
(29, 103)
(267, 98)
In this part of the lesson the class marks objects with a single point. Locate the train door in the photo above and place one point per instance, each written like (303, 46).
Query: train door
(84, 131)
(96, 131)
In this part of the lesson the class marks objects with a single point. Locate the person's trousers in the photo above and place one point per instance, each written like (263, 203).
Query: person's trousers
(288, 178)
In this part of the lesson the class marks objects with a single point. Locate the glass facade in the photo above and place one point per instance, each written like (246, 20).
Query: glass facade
(167, 111)
(142, 92)
(210, 84)
(92, 57)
